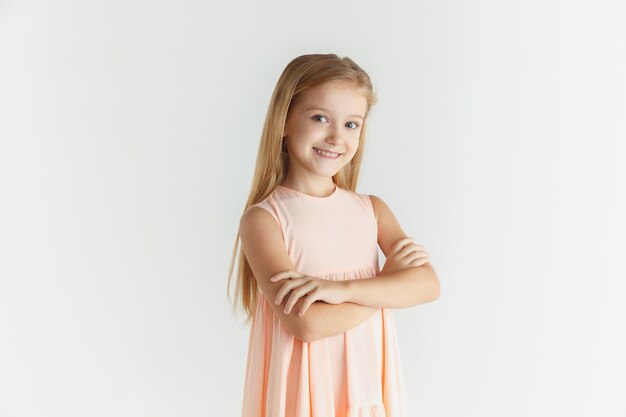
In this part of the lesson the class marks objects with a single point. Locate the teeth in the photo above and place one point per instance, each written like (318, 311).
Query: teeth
(326, 153)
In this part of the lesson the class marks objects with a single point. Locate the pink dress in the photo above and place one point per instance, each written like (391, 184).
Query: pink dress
(356, 373)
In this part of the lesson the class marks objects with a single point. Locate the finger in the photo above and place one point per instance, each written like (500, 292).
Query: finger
(286, 274)
(410, 248)
(419, 262)
(284, 290)
(289, 285)
(400, 244)
(281, 275)
(417, 245)
(417, 255)
(296, 294)
(403, 242)
(308, 300)
(410, 251)
(406, 250)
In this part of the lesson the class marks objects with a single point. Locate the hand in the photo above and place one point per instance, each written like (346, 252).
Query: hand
(405, 253)
(332, 292)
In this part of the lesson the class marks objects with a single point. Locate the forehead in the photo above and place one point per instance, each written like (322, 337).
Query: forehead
(337, 96)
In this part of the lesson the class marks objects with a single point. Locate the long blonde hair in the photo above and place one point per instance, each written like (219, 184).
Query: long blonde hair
(272, 162)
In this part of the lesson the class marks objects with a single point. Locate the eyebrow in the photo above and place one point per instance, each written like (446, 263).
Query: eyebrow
(326, 110)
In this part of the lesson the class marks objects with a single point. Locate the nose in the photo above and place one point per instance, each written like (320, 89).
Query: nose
(333, 137)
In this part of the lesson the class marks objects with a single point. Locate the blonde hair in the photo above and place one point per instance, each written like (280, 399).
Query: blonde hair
(272, 163)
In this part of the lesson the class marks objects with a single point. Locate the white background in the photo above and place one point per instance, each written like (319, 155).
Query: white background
(128, 136)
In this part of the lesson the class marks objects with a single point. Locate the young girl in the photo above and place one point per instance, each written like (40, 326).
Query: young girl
(323, 339)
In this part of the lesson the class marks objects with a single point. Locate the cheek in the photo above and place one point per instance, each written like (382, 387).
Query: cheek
(354, 144)
(308, 131)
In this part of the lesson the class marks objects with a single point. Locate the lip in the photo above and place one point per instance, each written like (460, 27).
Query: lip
(328, 150)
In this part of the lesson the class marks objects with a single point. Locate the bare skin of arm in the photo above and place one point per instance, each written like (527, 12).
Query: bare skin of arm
(398, 289)
(264, 247)
(265, 250)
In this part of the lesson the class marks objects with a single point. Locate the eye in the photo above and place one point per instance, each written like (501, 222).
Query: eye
(318, 115)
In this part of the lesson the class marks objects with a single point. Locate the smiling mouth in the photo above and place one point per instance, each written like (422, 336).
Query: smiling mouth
(327, 153)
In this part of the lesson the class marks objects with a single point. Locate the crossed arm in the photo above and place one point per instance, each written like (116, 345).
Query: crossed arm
(265, 251)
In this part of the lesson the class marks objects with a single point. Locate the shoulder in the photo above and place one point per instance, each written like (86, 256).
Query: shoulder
(257, 227)
(379, 205)
(257, 215)
(262, 211)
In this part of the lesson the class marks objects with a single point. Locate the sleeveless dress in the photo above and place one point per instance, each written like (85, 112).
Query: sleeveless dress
(356, 373)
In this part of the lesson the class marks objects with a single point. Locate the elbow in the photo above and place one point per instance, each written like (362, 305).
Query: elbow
(431, 288)
(436, 295)
(309, 337)
(300, 329)
(304, 331)
(436, 289)
(302, 335)
(435, 285)
(305, 337)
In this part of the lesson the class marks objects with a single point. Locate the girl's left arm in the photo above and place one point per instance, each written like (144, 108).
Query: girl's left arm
(398, 289)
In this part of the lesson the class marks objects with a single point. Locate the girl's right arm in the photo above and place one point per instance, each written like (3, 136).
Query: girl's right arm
(264, 248)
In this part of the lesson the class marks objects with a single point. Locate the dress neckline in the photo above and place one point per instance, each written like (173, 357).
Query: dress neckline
(309, 195)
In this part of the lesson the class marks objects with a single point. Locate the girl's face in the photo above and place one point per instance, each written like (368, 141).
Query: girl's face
(329, 118)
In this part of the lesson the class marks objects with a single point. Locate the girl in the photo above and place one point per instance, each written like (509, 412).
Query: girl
(322, 340)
